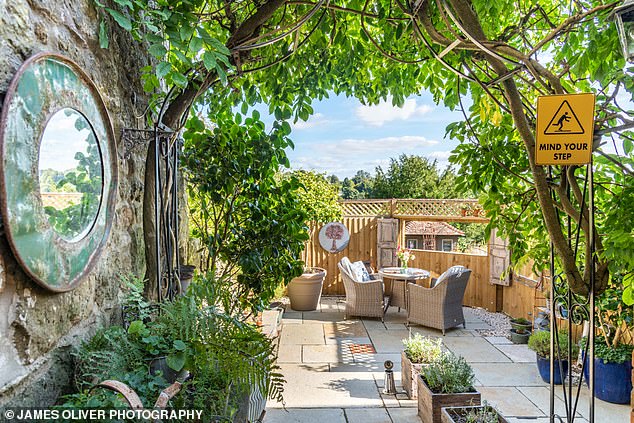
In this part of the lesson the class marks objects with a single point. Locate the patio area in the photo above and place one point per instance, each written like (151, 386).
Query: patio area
(334, 370)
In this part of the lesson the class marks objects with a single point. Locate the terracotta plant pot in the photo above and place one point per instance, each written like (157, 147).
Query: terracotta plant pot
(430, 404)
(305, 291)
(454, 414)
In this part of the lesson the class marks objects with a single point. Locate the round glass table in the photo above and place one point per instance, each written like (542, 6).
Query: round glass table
(400, 276)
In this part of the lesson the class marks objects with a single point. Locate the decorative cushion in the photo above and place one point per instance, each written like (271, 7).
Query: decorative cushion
(452, 271)
(359, 272)
(346, 264)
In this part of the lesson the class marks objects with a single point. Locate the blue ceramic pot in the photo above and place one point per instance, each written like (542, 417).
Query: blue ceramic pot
(543, 365)
(613, 381)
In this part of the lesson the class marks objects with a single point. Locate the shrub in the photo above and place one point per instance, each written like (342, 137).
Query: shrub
(421, 349)
(449, 375)
(540, 343)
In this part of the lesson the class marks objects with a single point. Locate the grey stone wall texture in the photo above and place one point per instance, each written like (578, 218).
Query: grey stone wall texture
(38, 328)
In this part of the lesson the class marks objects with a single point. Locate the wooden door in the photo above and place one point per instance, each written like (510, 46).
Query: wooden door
(500, 257)
(387, 242)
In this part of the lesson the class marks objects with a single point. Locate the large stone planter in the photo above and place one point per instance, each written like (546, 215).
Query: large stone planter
(451, 414)
(430, 404)
(409, 373)
(305, 291)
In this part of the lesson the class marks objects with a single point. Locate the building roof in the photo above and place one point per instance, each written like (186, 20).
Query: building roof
(431, 228)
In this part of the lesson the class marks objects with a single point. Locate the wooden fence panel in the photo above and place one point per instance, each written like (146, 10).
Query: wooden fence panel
(480, 292)
(362, 246)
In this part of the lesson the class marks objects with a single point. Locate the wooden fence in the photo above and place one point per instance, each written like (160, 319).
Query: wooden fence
(362, 246)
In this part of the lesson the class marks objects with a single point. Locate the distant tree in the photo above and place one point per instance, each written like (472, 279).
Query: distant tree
(413, 177)
(334, 179)
(349, 190)
(363, 183)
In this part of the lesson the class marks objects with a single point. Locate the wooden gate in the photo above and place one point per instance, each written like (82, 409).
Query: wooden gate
(387, 242)
(500, 259)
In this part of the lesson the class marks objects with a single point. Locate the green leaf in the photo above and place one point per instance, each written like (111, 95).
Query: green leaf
(123, 21)
(176, 361)
(162, 69)
(196, 45)
(179, 79)
(103, 35)
(209, 60)
(157, 50)
(136, 327)
(179, 345)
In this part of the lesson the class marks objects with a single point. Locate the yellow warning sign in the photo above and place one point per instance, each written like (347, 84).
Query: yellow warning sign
(565, 126)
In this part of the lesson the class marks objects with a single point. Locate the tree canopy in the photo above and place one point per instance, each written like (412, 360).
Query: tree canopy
(502, 55)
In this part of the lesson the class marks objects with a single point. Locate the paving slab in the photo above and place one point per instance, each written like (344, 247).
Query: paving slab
(518, 353)
(435, 333)
(540, 396)
(292, 317)
(302, 334)
(388, 341)
(603, 411)
(322, 317)
(395, 317)
(326, 354)
(348, 341)
(379, 358)
(498, 340)
(308, 387)
(289, 353)
(470, 315)
(475, 349)
(479, 325)
(507, 374)
(389, 400)
(305, 415)
(510, 401)
(412, 403)
(373, 324)
(348, 329)
(367, 415)
(404, 415)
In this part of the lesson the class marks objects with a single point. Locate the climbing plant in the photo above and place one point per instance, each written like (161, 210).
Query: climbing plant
(499, 55)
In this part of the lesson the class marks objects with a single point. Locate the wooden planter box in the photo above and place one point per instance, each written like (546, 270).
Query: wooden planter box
(409, 374)
(430, 404)
(449, 414)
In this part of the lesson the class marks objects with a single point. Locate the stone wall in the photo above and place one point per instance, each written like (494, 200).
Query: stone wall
(37, 327)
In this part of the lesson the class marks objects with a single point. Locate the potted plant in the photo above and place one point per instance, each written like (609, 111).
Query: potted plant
(304, 291)
(540, 343)
(612, 356)
(419, 351)
(520, 330)
(447, 381)
(477, 414)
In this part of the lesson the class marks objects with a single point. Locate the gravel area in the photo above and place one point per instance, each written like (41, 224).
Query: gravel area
(501, 323)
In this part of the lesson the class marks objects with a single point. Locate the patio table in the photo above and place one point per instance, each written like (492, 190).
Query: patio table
(400, 276)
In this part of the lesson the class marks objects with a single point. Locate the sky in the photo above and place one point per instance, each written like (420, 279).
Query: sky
(344, 136)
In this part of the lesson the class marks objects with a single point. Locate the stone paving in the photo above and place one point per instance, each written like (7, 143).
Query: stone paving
(334, 371)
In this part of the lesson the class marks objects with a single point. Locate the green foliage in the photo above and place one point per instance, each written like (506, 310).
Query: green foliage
(250, 221)
(414, 177)
(539, 342)
(614, 318)
(481, 414)
(620, 354)
(226, 357)
(420, 349)
(318, 198)
(449, 374)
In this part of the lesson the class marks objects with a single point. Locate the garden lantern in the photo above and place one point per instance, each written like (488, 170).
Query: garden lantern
(624, 17)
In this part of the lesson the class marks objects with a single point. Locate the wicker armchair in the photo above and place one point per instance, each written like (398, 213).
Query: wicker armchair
(439, 307)
(363, 298)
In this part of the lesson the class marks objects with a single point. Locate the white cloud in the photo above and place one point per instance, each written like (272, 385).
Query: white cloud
(383, 112)
(388, 145)
(440, 155)
(315, 120)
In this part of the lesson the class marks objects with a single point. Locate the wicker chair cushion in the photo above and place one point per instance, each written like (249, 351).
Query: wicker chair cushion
(347, 265)
(359, 272)
(452, 271)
